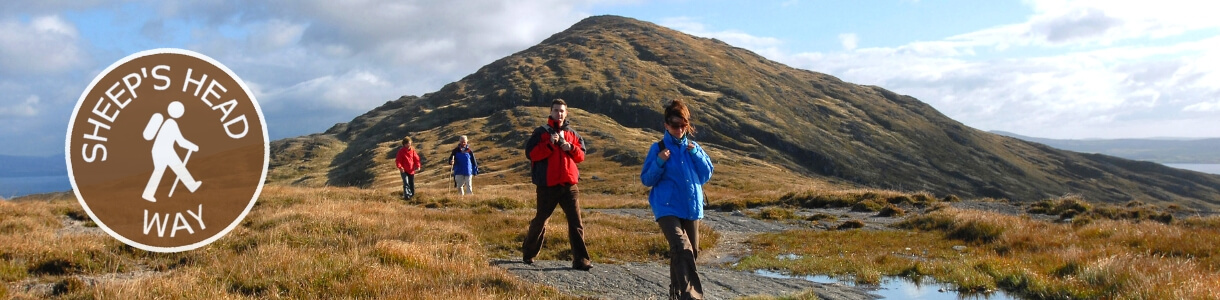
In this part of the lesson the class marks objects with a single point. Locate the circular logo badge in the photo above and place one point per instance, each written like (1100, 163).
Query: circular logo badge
(167, 150)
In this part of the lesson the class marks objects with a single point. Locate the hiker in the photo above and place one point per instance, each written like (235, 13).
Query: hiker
(554, 150)
(407, 161)
(676, 169)
(465, 167)
(164, 134)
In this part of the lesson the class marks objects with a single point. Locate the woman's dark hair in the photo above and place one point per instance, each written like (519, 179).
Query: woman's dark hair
(678, 116)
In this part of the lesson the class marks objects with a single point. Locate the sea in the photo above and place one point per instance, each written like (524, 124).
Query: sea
(1205, 168)
(20, 186)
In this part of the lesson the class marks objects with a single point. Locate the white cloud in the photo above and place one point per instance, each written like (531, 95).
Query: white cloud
(45, 44)
(849, 41)
(26, 108)
(1056, 75)
(354, 90)
(1203, 107)
(348, 57)
(766, 46)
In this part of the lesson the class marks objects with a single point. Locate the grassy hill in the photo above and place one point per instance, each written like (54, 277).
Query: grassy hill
(783, 125)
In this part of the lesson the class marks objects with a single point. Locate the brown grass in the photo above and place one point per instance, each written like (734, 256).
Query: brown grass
(1103, 260)
(319, 243)
(366, 243)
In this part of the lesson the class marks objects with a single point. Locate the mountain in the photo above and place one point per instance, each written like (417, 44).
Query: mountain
(1166, 150)
(765, 122)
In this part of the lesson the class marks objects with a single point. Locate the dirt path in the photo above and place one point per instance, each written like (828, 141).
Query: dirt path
(651, 280)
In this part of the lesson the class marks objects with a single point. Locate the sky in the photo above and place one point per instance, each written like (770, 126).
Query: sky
(1043, 68)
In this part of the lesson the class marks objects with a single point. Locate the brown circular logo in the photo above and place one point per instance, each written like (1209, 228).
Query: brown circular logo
(167, 150)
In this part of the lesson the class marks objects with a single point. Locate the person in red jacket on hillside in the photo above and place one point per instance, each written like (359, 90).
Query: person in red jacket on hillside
(554, 150)
(408, 163)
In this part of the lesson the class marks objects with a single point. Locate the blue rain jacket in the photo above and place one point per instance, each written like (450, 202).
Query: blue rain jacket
(677, 183)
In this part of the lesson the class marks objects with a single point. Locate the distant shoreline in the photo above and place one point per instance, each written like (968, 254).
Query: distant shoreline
(13, 187)
(1205, 168)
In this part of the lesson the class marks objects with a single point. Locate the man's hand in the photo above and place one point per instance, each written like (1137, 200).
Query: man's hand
(566, 146)
(555, 139)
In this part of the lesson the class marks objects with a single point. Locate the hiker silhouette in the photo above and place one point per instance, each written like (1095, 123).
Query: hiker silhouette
(164, 133)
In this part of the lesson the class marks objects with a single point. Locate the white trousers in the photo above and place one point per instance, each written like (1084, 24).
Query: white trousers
(465, 184)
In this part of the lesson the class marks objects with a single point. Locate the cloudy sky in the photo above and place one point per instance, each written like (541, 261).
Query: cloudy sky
(1045, 68)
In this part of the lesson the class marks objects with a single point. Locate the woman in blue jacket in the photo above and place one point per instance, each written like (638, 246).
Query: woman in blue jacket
(676, 169)
(465, 167)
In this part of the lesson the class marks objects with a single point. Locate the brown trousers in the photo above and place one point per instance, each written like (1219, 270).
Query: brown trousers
(683, 238)
(565, 197)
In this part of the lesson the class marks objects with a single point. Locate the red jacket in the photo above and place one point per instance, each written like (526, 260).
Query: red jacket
(407, 160)
(551, 165)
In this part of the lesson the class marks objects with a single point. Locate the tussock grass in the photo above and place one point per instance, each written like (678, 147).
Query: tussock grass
(321, 243)
(1081, 212)
(851, 224)
(776, 213)
(892, 211)
(1105, 259)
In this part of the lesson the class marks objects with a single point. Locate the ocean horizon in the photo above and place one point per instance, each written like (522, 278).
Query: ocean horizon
(1205, 168)
(11, 187)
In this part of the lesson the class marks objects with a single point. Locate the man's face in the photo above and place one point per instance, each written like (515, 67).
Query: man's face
(559, 112)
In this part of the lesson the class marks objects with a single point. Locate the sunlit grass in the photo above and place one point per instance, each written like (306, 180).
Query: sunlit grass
(323, 243)
(1105, 259)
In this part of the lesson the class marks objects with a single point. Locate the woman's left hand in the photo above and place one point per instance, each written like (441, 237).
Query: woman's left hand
(690, 146)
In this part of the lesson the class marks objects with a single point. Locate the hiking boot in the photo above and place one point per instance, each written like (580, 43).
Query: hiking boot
(583, 267)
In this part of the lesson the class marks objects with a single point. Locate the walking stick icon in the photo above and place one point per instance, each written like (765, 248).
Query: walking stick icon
(178, 178)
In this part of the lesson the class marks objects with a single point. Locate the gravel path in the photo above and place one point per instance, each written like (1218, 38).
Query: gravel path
(651, 280)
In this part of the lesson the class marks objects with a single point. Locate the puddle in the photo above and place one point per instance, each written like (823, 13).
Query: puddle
(900, 288)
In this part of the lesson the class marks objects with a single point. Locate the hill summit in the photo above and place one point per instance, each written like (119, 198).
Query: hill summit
(774, 121)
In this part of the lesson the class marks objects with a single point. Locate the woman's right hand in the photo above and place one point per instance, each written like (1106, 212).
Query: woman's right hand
(663, 155)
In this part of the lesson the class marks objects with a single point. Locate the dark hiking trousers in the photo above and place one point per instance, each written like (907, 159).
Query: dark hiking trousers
(408, 185)
(565, 197)
(683, 238)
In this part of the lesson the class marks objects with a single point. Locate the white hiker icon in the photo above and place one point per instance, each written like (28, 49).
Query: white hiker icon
(164, 155)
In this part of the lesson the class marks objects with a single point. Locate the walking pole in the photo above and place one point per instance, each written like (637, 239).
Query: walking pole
(178, 178)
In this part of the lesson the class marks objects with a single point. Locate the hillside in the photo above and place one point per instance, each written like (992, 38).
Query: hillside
(765, 122)
(1183, 151)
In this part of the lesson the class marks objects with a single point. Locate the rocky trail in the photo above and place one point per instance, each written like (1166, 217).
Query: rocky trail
(651, 280)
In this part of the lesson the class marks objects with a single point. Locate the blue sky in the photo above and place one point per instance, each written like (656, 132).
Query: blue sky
(1046, 68)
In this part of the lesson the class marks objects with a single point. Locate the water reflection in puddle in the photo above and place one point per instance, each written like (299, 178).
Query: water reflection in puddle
(900, 288)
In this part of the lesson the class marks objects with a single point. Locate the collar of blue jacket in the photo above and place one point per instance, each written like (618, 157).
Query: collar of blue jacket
(680, 142)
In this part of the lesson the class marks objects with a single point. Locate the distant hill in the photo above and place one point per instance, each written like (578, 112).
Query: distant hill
(765, 121)
(1181, 151)
(28, 166)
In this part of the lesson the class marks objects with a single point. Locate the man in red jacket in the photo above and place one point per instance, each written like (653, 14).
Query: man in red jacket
(407, 161)
(554, 150)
